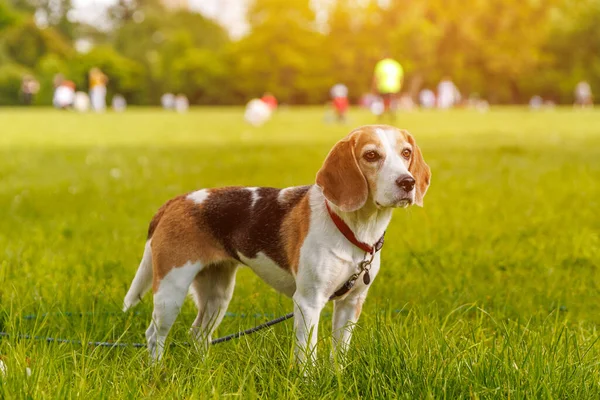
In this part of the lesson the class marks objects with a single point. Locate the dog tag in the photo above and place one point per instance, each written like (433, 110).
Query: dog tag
(366, 278)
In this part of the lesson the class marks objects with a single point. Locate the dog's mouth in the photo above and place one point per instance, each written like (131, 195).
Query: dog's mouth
(402, 203)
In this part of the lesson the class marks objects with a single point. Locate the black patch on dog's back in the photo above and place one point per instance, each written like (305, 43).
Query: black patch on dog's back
(249, 229)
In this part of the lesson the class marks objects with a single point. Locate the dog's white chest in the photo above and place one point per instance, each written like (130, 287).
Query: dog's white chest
(271, 273)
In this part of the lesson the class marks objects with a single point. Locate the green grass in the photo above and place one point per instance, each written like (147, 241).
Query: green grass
(490, 291)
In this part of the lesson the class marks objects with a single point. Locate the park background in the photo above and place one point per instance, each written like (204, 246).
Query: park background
(505, 51)
(489, 291)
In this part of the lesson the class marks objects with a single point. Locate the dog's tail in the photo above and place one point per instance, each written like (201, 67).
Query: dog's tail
(142, 280)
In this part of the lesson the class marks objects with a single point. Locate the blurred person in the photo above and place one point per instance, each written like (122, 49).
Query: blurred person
(583, 95)
(167, 101)
(270, 100)
(81, 102)
(536, 102)
(482, 106)
(377, 107)
(427, 98)
(181, 103)
(98, 83)
(57, 80)
(448, 94)
(387, 82)
(119, 104)
(29, 88)
(257, 112)
(475, 102)
(339, 97)
(64, 94)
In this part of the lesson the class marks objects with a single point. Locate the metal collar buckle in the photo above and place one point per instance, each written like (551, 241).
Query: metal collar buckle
(363, 267)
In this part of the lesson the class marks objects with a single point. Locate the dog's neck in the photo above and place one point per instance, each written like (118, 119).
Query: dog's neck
(368, 223)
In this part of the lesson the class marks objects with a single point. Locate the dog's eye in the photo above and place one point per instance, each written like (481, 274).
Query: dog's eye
(371, 156)
(406, 153)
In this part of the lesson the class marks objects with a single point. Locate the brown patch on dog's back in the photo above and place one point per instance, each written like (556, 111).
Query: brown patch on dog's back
(159, 214)
(294, 230)
(179, 236)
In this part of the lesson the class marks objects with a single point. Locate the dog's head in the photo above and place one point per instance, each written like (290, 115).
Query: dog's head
(375, 163)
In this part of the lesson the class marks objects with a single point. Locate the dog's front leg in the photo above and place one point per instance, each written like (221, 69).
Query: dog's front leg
(346, 312)
(307, 309)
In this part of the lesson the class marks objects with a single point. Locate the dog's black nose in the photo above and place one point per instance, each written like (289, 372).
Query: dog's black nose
(407, 183)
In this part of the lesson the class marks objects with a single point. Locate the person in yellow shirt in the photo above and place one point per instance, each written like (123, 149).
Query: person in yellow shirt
(98, 89)
(387, 82)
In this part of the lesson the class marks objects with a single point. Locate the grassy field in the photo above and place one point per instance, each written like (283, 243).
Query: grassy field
(489, 291)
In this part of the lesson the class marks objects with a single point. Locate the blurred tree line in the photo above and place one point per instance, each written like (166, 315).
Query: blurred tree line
(503, 50)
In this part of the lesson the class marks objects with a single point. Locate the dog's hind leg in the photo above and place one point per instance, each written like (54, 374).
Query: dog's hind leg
(142, 282)
(168, 299)
(212, 290)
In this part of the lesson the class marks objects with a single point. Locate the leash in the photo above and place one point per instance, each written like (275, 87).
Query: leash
(136, 313)
(139, 345)
(142, 345)
(252, 330)
(346, 287)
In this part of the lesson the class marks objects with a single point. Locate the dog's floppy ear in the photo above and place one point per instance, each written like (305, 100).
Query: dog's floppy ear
(341, 179)
(419, 170)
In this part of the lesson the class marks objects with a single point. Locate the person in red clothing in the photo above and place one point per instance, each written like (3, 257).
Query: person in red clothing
(269, 100)
(339, 97)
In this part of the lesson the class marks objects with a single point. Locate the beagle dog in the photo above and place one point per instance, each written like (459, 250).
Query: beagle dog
(311, 243)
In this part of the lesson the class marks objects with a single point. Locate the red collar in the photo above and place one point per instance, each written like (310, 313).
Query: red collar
(348, 234)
